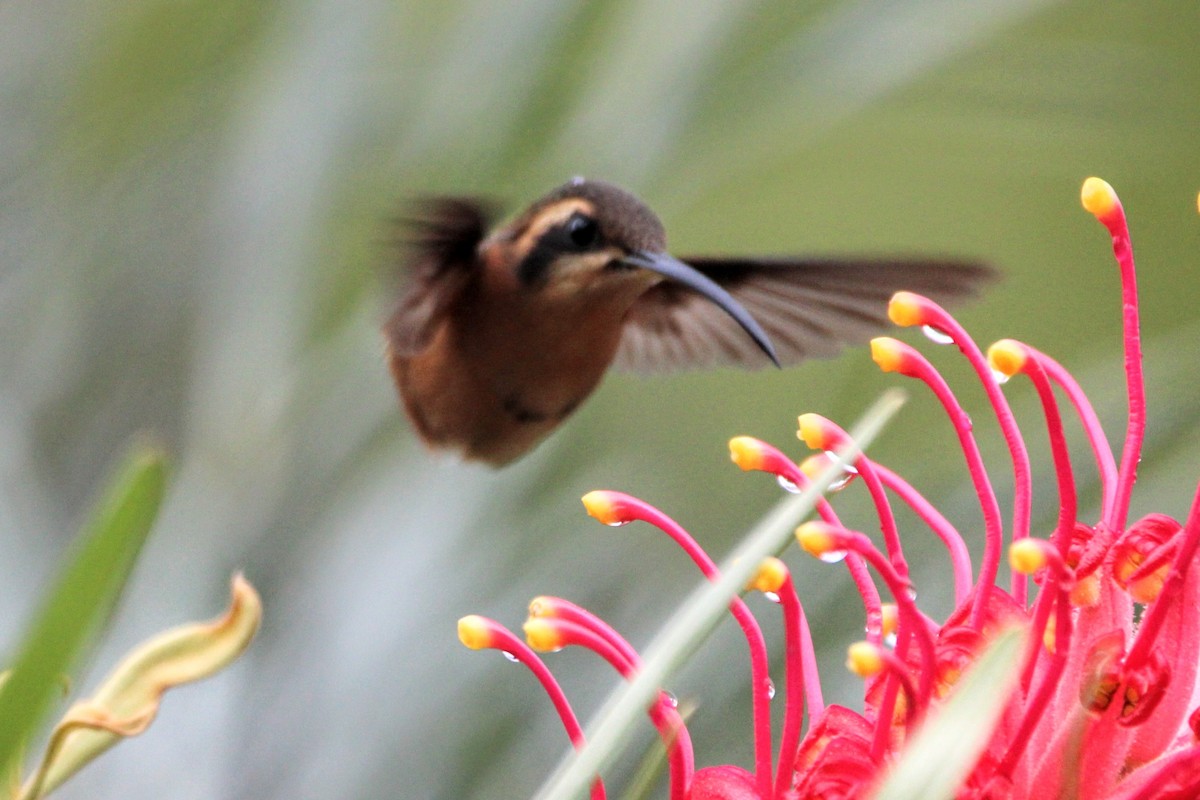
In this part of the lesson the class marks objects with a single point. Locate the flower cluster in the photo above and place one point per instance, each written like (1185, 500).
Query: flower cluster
(1103, 706)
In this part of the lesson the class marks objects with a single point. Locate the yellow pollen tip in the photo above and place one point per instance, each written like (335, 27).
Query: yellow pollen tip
(864, 659)
(542, 635)
(1098, 197)
(746, 452)
(1007, 357)
(1026, 556)
(816, 538)
(904, 309)
(812, 431)
(771, 575)
(814, 465)
(887, 353)
(1198, 202)
(474, 632)
(891, 619)
(600, 504)
(542, 606)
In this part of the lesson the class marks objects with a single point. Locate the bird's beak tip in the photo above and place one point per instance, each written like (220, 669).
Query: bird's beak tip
(673, 269)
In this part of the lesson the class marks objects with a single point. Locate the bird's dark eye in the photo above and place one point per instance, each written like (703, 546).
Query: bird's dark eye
(583, 231)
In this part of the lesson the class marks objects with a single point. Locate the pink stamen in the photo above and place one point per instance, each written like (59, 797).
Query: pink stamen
(1023, 490)
(802, 682)
(779, 465)
(663, 715)
(1036, 704)
(917, 366)
(887, 520)
(898, 670)
(1135, 428)
(508, 642)
(960, 557)
(558, 608)
(1059, 452)
(1105, 463)
(911, 626)
(759, 665)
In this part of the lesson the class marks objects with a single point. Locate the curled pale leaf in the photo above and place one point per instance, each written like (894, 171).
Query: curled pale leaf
(127, 701)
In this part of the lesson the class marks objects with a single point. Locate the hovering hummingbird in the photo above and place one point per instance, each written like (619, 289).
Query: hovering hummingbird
(501, 335)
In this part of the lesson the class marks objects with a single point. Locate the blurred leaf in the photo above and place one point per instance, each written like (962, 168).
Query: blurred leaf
(128, 699)
(949, 743)
(79, 605)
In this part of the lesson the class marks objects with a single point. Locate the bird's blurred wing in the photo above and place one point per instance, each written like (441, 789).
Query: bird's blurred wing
(808, 308)
(439, 247)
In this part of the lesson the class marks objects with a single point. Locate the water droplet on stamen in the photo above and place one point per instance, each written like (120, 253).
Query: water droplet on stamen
(910, 592)
(772, 597)
(833, 556)
(618, 523)
(848, 467)
(999, 377)
(890, 640)
(873, 629)
(936, 335)
(770, 689)
(840, 483)
(787, 485)
(670, 699)
(511, 657)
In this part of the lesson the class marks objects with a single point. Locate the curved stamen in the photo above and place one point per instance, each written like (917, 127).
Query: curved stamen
(868, 660)
(753, 454)
(820, 433)
(907, 308)
(960, 557)
(609, 507)
(1028, 556)
(801, 679)
(1010, 357)
(1101, 201)
(548, 634)
(1105, 462)
(478, 632)
(821, 539)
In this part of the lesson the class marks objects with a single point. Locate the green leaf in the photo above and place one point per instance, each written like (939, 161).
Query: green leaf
(80, 603)
(946, 748)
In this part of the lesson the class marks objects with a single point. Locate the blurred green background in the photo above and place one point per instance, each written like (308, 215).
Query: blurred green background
(194, 231)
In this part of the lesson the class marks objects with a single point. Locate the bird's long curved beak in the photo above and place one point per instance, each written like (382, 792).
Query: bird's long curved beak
(675, 270)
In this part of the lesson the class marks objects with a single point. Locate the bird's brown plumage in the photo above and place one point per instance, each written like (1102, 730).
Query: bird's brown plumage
(500, 336)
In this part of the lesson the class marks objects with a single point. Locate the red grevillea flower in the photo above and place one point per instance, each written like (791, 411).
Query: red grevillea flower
(1105, 703)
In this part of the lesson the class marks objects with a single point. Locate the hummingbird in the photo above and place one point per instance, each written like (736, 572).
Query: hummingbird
(502, 333)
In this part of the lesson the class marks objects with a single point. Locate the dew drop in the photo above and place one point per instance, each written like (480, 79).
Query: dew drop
(937, 336)
(840, 483)
(771, 597)
(670, 699)
(999, 377)
(770, 689)
(910, 592)
(511, 657)
(832, 456)
(873, 629)
(577, 180)
(833, 556)
(786, 485)
(890, 640)
(617, 524)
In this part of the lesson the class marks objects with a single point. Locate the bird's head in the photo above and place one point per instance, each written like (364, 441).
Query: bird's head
(591, 238)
